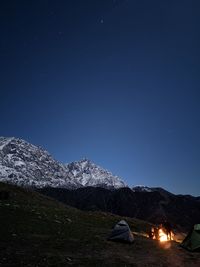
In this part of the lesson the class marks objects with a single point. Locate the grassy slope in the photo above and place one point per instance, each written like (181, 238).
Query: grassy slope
(38, 231)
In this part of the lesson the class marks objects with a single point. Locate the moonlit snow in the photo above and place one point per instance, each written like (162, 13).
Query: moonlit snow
(27, 165)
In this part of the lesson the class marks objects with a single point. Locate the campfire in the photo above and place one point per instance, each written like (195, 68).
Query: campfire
(161, 234)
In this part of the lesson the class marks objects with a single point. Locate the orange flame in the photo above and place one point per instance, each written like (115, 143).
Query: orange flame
(162, 236)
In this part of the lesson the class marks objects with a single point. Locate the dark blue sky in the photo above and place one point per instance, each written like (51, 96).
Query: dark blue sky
(114, 81)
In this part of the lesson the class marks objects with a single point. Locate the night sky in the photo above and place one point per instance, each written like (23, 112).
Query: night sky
(117, 82)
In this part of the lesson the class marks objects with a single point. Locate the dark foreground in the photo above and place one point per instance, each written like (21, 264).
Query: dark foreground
(38, 231)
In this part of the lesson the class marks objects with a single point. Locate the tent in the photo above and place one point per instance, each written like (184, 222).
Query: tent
(192, 240)
(121, 232)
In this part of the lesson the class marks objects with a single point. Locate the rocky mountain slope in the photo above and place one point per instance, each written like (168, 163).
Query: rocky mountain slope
(27, 165)
(155, 206)
(24, 164)
(86, 173)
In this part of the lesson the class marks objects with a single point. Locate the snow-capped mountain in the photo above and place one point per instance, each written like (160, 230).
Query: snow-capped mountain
(87, 173)
(24, 164)
(146, 189)
(142, 188)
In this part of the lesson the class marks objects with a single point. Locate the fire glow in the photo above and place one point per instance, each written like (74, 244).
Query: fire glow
(161, 235)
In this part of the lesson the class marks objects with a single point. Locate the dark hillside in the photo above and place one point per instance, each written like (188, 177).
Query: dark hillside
(182, 211)
(39, 231)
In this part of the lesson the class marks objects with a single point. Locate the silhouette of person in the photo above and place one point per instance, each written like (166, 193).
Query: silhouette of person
(151, 233)
(156, 231)
(168, 229)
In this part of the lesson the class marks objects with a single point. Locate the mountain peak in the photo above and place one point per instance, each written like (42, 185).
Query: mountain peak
(141, 188)
(85, 160)
(25, 164)
(88, 173)
(28, 165)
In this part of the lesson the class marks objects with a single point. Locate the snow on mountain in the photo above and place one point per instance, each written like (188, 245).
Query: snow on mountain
(89, 174)
(142, 188)
(28, 165)
(24, 164)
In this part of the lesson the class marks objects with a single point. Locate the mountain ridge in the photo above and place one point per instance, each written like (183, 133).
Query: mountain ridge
(28, 165)
(85, 185)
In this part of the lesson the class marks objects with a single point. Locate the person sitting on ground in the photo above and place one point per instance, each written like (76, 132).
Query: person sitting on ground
(156, 232)
(151, 233)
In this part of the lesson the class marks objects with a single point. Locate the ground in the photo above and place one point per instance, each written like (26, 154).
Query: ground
(37, 231)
